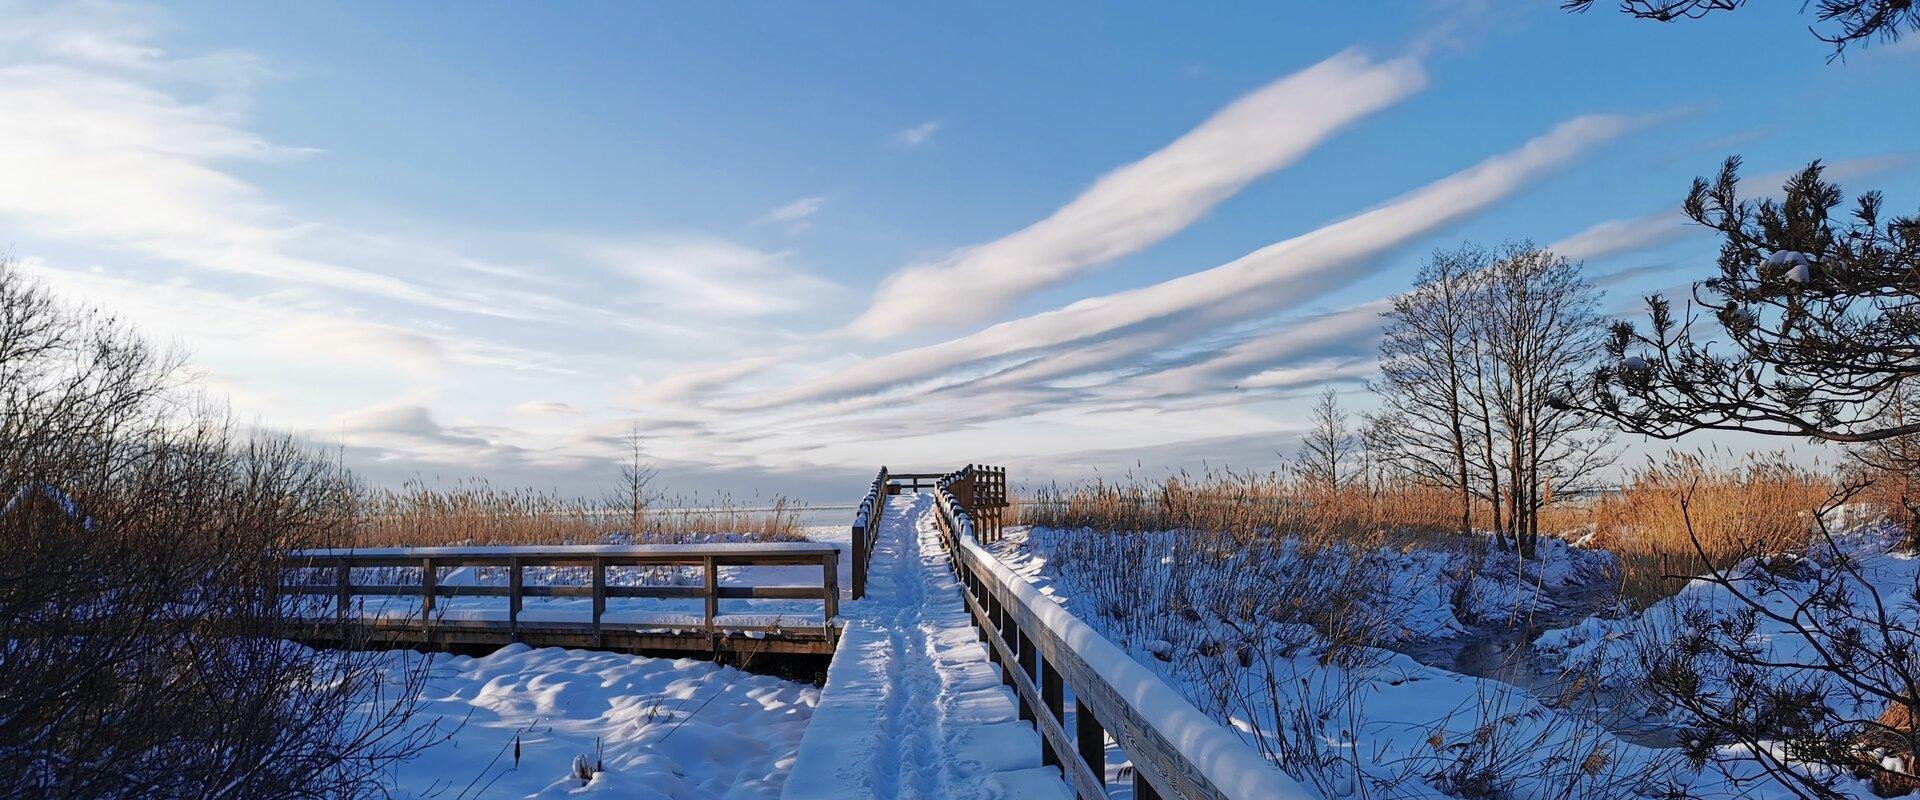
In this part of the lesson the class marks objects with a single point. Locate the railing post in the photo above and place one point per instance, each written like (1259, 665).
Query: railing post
(343, 584)
(860, 555)
(830, 565)
(713, 592)
(1091, 739)
(1028, 665)
(1142, 790)
(514, 578)
(1053, 693)
(429, 585)
(599, 595)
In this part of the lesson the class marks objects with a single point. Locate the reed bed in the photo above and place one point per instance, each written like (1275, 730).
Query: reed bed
(477, 513)
(1248, 506)
(1757, 505)
(1740, 507)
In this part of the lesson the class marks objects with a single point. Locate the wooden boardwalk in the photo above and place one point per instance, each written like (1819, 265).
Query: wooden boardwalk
(1083, 696)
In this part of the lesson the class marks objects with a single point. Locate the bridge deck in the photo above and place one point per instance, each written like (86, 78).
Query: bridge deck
(913, 707)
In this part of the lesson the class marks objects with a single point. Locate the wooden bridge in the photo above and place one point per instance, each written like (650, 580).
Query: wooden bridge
(1082, 694)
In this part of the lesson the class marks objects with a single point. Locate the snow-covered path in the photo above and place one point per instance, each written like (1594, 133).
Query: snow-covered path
(912, 707)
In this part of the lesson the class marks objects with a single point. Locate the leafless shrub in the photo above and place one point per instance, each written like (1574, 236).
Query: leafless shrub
(143, 652)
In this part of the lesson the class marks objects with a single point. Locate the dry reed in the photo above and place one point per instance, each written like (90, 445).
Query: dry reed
(1761, 505)
(476, 513)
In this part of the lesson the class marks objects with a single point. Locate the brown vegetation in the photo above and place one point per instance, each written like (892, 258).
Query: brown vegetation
(1757, 505)
(477, 513)
(1760, 505)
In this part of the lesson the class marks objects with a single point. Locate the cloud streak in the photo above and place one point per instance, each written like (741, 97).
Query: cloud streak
(1264, 281)
(1142, 203)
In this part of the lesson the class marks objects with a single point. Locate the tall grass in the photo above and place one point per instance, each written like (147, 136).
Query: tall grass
(477, 513)
(1246, 506)
(1744, 506)
(1761, 504)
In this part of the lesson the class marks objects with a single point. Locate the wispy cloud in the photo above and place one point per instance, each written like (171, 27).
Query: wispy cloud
(1142, 203)
(697, 276)
(1272, 278)
(918, 134)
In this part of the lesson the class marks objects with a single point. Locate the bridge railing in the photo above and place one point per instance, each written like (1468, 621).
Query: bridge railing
(1044, 651)
(866, 530)
(336, 570)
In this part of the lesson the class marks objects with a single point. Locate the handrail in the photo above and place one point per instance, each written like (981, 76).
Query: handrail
(1176, 750)
(866, 530)
(709, 557)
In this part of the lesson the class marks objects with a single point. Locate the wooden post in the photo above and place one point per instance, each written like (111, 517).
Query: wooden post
(1053, 693)
(830, 565)
(1028, 665)
(1142, 790)
(429, 584)
(514, 579)
(860, 553)
(1091, 739)
(713, 592)
(343, 583)
(599, 594)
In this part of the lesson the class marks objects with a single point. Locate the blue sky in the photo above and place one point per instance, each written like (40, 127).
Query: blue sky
(789, 242)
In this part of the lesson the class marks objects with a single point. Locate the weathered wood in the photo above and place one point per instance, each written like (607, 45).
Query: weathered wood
(429, 579)
(1162, 769)
(1086, 783)
(713, 592)
(1028, 666)
(516, 574)
(1091, 741)
(1053, 693)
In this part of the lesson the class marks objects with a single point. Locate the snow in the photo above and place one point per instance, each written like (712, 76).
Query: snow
(912, 707)
(1376, 722)
(661, 728)
(1228, 762)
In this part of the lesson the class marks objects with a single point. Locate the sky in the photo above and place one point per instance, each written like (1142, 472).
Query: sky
(783, 244)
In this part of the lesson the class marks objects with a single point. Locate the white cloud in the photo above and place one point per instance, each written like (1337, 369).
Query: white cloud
(918, 134)
(1614, 237)
(1144, 202)
(1261, 282)
(797, 210)
(702, 276)
(546, 408)
(685, 385)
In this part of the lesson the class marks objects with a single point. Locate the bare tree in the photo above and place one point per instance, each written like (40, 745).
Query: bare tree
(1536, 325)
(1470, 366)
(143, 649)
(1328, 450)
(1422, 427)
(637, 474)
(1851, 21)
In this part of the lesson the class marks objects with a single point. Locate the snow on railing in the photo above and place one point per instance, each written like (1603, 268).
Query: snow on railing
(866, 530)
(1176, 749)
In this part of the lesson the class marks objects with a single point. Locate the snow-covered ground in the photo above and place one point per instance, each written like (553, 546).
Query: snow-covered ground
(912, 707)
(657, 728)
(1357, 719)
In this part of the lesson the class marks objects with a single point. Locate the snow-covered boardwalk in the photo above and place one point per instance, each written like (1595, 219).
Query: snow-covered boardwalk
(913, 708)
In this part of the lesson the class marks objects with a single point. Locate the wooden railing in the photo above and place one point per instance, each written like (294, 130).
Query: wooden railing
(1044, 651)
(339, 565)
(866, 530)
